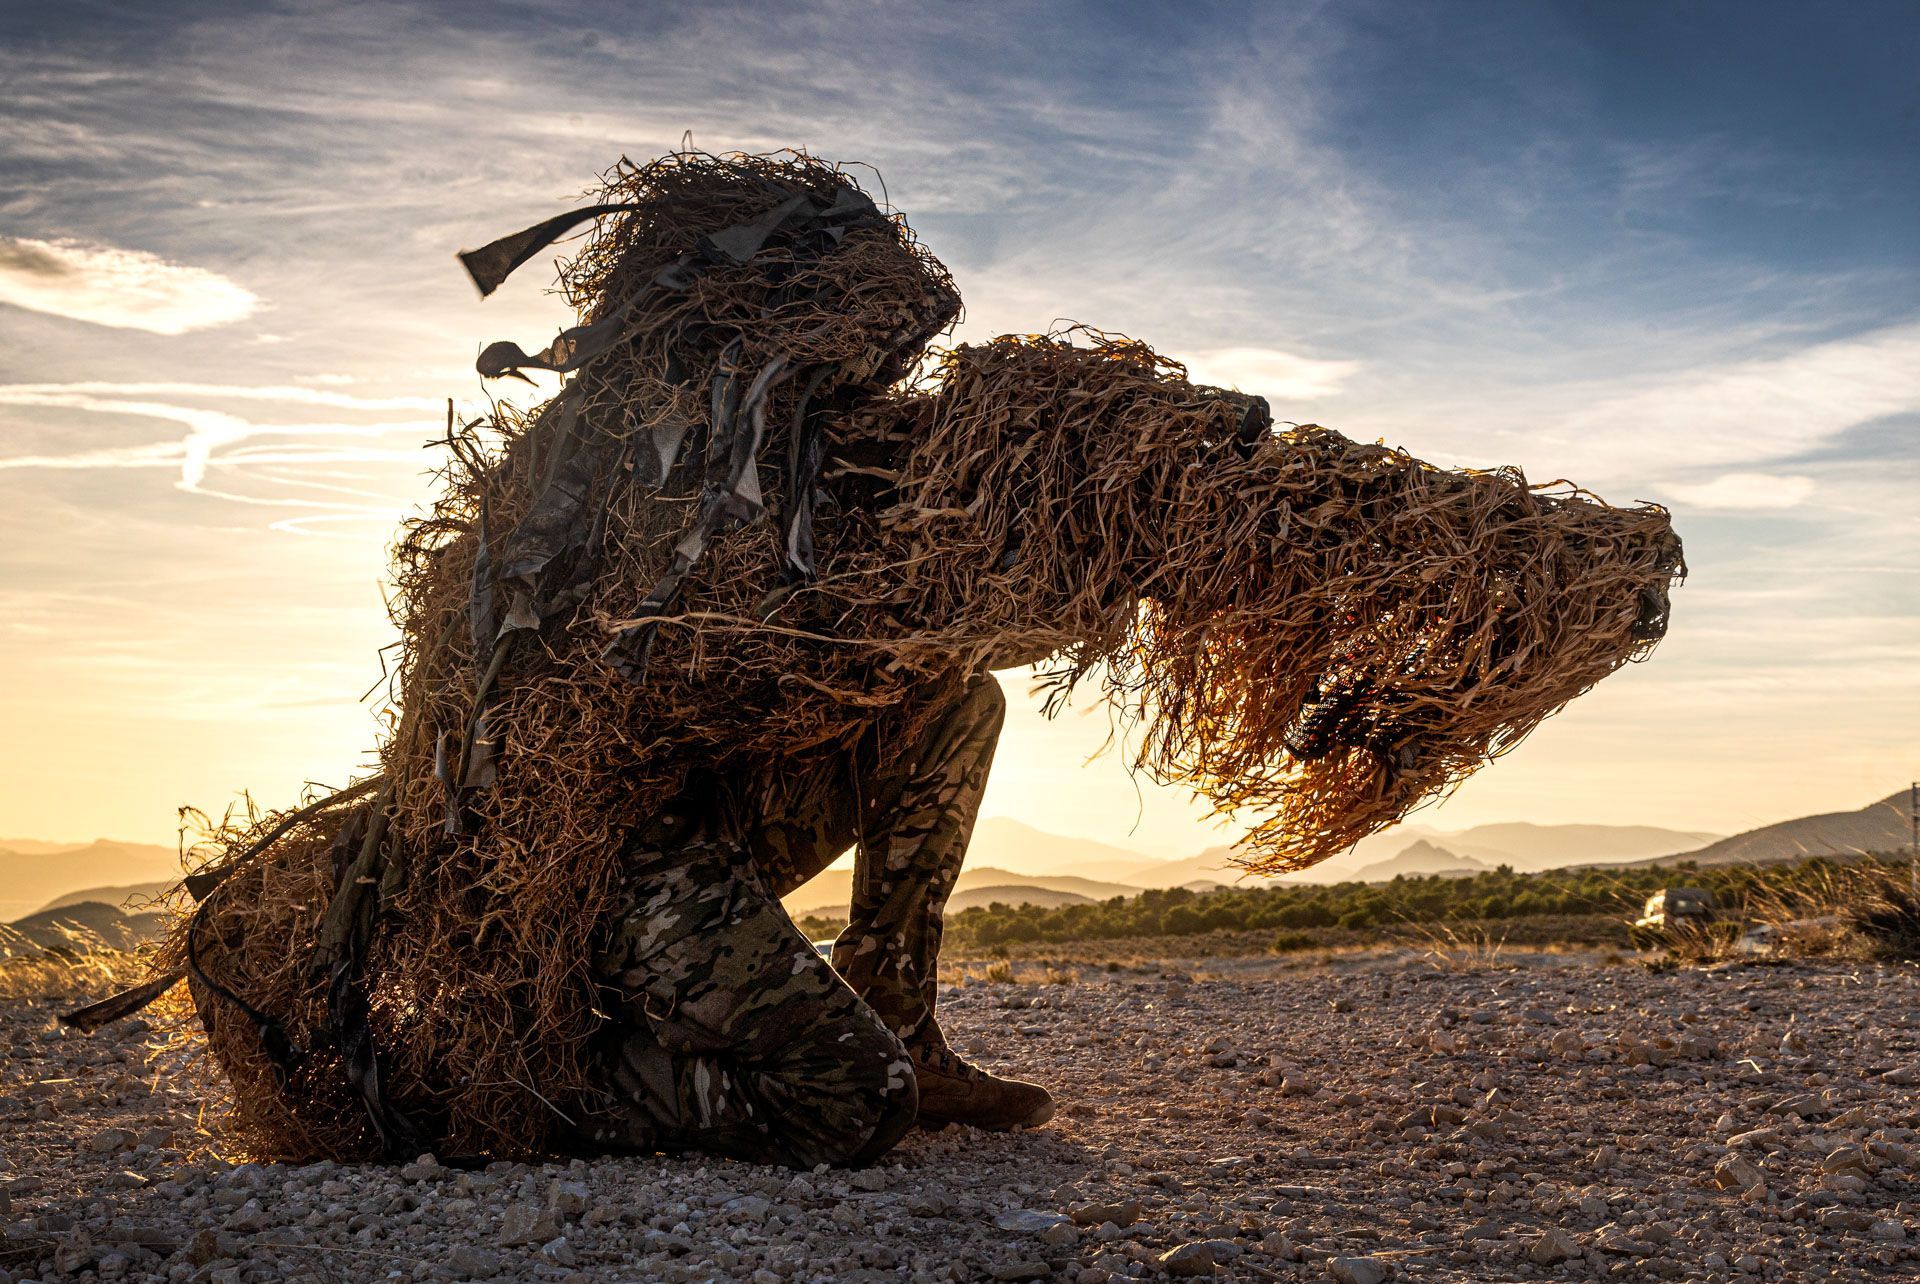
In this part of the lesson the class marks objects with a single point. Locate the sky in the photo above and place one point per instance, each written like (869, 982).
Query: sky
(1667, 251)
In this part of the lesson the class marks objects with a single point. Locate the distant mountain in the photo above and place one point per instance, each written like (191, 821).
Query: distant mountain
(131, 898)
(1005, 843)
(36, 846)
(1535, 847)
(1000, 842)
(1528, 848)
(1091, 889)
(832, 889)
(1878, 827)
(32, 877)
(1017, 894)
(1214, 866)
(1420, 858)
(80, 927)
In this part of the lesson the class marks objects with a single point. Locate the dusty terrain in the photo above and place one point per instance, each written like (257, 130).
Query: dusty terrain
(1382, 1119)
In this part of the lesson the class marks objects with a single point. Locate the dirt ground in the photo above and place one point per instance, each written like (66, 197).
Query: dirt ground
(1396, 1117)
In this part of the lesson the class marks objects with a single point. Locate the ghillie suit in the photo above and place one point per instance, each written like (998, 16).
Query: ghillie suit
(741, 539)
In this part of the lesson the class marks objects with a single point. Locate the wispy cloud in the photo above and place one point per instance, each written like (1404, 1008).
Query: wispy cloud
(309, 393)
(230, 458)
(1753, 410)
(1270, 372)
(1745, 491)
(126, 289)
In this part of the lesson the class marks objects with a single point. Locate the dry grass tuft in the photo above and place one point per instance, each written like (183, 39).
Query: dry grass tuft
(1867, 910)
(1469, 946)
(88, 967)
(1884, 914)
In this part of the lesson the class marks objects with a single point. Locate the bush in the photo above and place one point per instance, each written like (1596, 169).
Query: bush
(1294, 908)
(1182, 920)
(1887, 918)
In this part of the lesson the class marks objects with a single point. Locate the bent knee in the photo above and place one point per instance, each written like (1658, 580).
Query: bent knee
(851, 1106)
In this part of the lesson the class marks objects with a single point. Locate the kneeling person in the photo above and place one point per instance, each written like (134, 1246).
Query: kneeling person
(731, 1035)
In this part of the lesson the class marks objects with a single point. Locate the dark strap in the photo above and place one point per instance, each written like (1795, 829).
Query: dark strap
(1256, 426)
(346, 932)
(201, 885)
(348, 1013)
(124, 1004)
(495, 261)
(286, 1055)
(571, 349)
(354, 883)
(806, 450)
(577, 346)
(730, 498)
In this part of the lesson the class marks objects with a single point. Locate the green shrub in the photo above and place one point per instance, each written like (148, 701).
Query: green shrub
(1293, 908)
(1182, 920)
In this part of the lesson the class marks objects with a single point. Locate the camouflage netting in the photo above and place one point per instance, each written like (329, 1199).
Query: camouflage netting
(752, 525)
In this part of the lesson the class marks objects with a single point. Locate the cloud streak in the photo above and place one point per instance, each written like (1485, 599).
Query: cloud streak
(280, 393)
(125, 289)
(1755, 410)
(285, 465)
(1271, 373)
(1745, 491)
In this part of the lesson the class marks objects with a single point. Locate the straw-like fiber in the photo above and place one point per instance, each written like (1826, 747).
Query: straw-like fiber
(1315, 635)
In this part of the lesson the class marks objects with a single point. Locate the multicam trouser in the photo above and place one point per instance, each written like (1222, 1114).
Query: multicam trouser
(731, 1035)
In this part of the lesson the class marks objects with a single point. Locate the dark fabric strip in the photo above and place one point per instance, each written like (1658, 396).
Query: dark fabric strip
(124, 1004)
(806, 450)
(495, 261)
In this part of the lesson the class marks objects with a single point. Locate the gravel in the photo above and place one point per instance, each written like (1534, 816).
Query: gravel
(1388, 1119)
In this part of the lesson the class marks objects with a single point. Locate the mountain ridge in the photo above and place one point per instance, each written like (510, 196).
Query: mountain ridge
(119, 897)
(31, 878)
(1014, 857)
(1421, 858)
(1877, 827)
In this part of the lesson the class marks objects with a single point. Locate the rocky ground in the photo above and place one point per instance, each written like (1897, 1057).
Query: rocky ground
(1393, 1118)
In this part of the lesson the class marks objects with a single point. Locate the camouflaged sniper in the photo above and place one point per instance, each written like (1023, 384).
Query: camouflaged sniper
(751, 539)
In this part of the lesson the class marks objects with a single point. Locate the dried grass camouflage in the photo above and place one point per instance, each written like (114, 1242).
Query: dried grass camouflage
(751, 530)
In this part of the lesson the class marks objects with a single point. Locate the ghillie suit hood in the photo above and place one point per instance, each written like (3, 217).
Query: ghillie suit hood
(753, 526)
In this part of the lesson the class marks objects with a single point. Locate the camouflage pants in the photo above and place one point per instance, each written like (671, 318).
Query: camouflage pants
(731, 1035)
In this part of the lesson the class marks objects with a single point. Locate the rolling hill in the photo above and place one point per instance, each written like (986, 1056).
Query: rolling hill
(1527, 848)
(1013, 894)
(832, 889)
(1530, 848)
(1211, 866)
(1091, 889)
(79, 927)
(1878, 827)
(1420, 858)
(1006, 843)
(33, 873)
(126, 897)
(36, 846)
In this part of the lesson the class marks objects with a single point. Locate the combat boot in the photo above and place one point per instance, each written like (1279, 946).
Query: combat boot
(953, 1090)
